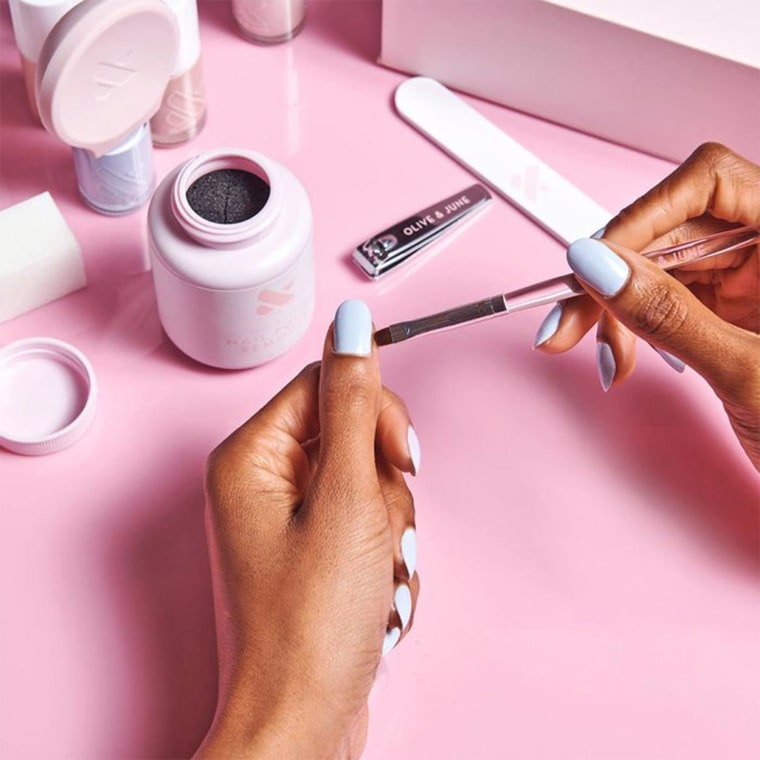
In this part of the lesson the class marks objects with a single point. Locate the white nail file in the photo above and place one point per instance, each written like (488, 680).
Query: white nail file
(512, 170)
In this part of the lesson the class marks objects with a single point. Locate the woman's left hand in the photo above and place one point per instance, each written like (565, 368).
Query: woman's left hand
(311, 533)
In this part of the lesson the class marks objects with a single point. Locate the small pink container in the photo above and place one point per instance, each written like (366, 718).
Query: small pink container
(233, 295)
(269, 21)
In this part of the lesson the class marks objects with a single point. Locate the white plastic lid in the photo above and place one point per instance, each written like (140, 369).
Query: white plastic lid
(33, 20)
(103, 70)
(48, 395)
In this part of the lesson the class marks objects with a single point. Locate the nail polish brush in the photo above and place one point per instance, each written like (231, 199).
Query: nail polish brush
(563, 287)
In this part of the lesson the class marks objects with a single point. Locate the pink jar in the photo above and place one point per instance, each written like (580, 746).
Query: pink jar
(232, 293)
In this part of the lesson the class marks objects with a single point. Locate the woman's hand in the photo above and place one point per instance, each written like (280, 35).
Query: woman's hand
(706, 314)
(311, 533)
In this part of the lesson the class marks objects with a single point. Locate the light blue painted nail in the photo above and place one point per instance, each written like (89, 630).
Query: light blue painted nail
(409, 550)
(605, 364)
(391, 639)
(599, 233)
(670, 360)
(415, 453)
(548, 326)
(598, 266)
(353, 329)
(402, 601)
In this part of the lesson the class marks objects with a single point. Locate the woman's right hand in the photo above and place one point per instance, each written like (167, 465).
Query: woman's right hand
(706, 314)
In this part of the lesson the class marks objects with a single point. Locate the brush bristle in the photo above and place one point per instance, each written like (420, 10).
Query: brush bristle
(384, 337)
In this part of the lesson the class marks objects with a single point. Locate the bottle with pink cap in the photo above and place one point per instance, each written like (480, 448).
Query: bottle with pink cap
(101, 76)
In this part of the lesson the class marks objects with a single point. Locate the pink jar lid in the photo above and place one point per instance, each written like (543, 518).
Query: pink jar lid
(103, 70)
(48, 395)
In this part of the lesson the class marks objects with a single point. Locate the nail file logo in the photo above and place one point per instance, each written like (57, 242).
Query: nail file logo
(529, 183)
(113, 75)
(269, 300)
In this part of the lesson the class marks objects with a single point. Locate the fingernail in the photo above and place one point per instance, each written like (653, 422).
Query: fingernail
(391, 639)
(605, 364)
(599, 233)
(598, 266)
(352, 334)
(415, 454)
(409, 550)
(402, 601)
(670, 360)
(548, 326)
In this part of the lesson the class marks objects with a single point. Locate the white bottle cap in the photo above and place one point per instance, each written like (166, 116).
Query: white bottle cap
(33, 20)
(186, 13)
(48, 395)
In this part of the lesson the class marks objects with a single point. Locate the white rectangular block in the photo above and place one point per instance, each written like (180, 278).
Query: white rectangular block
(40, 259)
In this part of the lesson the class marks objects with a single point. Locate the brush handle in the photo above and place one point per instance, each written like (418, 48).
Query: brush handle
(567, 286)
(543, 293)
(563, 287)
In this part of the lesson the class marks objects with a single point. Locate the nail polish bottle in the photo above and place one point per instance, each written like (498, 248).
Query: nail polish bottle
(183, 109)
(32, 21)
(101, 75)
(121, 180)
(230, 237)
(269, 21)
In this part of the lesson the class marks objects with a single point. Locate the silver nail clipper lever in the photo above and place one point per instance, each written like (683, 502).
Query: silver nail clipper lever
(389, 248)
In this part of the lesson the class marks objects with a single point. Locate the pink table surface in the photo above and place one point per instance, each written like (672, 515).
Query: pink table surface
(589, 562)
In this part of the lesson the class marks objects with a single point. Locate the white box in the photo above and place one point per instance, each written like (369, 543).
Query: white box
(661, 76)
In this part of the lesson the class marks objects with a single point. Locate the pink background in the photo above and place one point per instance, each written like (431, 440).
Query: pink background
(589, 562)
